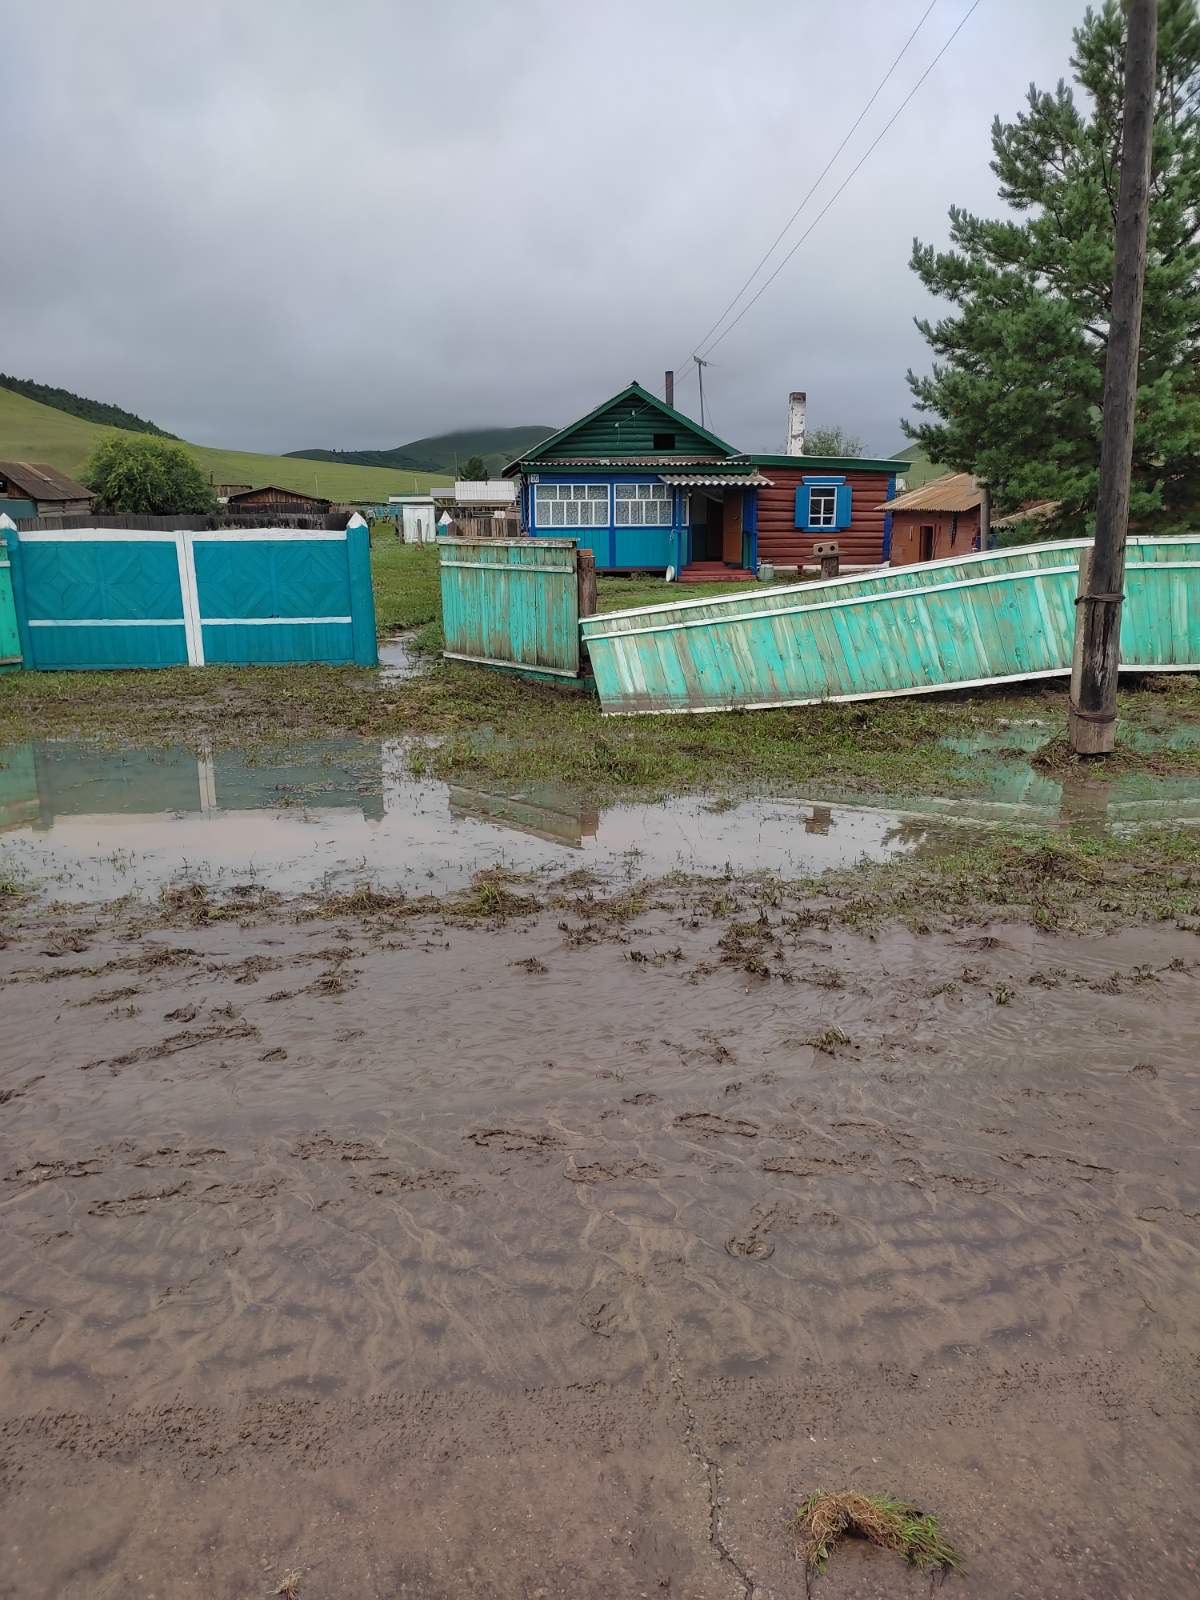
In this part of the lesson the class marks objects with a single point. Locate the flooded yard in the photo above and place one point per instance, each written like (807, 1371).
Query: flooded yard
(450, 1189)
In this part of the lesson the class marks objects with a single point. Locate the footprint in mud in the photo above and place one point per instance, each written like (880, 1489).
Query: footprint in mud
(1060, 1167)
(754, 1245)
(180, 1013)
(322, 1146)
(711, 1125)
(604, 1171)
(513, 1141)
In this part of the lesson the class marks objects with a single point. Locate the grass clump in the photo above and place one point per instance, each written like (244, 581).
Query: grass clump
(825, 1519)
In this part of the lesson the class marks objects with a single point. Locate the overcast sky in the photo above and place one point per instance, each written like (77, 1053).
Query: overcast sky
(272, 224)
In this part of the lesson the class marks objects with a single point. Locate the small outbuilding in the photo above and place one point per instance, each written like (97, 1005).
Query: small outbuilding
(271, 498)
(939, 519)
(50, 492)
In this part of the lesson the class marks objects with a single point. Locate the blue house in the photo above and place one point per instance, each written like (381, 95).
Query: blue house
(645, 488)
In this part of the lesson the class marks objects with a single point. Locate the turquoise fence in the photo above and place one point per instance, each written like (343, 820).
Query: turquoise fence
(98, 598)
(994, 617)
(514, 603)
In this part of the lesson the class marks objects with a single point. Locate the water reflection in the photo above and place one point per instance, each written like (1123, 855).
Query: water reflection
(91, 823)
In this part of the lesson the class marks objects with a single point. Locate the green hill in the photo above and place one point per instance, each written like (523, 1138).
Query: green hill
(922, 469)
(33, 432)
(442, 452)
(76, 405)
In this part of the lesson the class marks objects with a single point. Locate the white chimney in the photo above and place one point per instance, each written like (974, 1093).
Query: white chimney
(797, 407)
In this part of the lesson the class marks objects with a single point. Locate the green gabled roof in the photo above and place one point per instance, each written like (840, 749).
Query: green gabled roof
(625, 425)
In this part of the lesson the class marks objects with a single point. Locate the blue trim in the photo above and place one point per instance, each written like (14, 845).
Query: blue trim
(750, 529)
(362, 609)
(887, 520)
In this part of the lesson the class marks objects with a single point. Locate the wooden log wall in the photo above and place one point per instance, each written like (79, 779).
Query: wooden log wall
(779, 539)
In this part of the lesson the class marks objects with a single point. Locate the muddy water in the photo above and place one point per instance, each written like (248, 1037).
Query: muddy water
(88, 823)
(562, 1259)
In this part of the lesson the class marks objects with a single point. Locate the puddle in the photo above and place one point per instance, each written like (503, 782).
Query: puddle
(397, 662)
(92, 823)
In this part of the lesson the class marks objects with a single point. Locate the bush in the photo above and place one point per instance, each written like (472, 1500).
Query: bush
(147, 476)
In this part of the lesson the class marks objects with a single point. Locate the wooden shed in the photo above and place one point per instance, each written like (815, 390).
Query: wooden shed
(51, 492)
(939, 519)
(270, 498)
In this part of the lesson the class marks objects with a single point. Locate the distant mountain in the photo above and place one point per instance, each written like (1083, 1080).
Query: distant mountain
(442, 452)
(76, 405)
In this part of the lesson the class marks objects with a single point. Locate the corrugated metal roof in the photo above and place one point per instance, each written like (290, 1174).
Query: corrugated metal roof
(41, 482)
(957, 491)
(1035, 511)
(716, 480)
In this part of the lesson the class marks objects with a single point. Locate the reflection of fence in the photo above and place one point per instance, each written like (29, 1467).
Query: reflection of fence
(516, 603)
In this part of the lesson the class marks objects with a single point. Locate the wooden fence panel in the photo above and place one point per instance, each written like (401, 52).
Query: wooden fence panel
(512, 603)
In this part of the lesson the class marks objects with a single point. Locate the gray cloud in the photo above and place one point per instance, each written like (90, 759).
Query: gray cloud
(278, 223)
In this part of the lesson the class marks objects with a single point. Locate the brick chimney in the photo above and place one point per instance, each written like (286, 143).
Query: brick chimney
(797, 408)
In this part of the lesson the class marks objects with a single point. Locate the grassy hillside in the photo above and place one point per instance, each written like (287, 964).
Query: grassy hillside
(440, 451)
(77, 405)
(922, 469)
(33, 432)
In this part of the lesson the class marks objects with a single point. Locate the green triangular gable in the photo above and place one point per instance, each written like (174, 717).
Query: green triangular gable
(626, 425)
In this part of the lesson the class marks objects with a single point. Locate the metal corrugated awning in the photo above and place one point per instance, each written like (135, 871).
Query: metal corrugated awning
(713, 480)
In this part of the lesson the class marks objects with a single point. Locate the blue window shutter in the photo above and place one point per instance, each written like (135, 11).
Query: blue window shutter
(843, 513)
(802, 507)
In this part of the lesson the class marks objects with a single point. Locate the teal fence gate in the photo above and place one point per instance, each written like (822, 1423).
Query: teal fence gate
(514, 603)
(10, 636)
(95, 598)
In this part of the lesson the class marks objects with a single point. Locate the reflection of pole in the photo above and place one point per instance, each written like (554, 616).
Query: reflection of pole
(1093, 711)
(206, 779)
(821, 820)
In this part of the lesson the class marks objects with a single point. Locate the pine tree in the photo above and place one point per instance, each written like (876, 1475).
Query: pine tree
(1018, 375)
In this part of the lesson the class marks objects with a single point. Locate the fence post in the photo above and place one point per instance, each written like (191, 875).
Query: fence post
(587, 582)
(362, 593)
(16, 573)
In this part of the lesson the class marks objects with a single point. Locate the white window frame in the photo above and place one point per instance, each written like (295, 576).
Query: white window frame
(822, 519)
(592, 501)
(636, 497)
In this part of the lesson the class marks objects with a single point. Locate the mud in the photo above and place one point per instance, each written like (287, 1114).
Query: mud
(450, 1280)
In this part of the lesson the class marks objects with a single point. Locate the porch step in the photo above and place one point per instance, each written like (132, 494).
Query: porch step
(714, 572)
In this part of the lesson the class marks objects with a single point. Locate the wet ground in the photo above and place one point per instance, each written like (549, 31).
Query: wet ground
(563, 1257)
(84, 822)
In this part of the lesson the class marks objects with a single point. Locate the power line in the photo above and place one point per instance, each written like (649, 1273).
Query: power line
(875, 143)
(770, 250)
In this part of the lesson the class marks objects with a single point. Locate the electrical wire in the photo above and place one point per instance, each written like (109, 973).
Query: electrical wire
(874, 145)
(854, 126)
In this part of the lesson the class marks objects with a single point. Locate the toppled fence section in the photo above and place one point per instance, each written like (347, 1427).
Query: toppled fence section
(995, 617)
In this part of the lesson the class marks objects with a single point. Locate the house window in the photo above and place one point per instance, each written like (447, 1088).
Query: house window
(664, 441)
(571, 505)
(822, 506)
(643, 505)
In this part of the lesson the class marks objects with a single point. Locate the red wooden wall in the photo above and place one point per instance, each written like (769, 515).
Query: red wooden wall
(954, 534)
(782, 542)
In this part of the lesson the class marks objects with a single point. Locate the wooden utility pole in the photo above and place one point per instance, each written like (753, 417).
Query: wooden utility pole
(700, 366)
(1093, 714)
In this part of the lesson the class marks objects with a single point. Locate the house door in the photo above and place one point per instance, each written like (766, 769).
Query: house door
(926, 543)
(707, 523)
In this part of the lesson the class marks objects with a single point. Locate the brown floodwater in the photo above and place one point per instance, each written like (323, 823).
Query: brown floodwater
(562, 1258)
(87, 823)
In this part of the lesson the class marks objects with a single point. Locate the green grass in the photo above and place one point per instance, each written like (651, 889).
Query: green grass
(407, 589)
(33, 432)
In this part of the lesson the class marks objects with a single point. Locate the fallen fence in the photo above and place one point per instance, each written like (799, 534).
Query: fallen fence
(994, 617)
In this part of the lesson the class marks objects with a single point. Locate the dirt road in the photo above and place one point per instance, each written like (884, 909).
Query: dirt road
(563, 1258)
